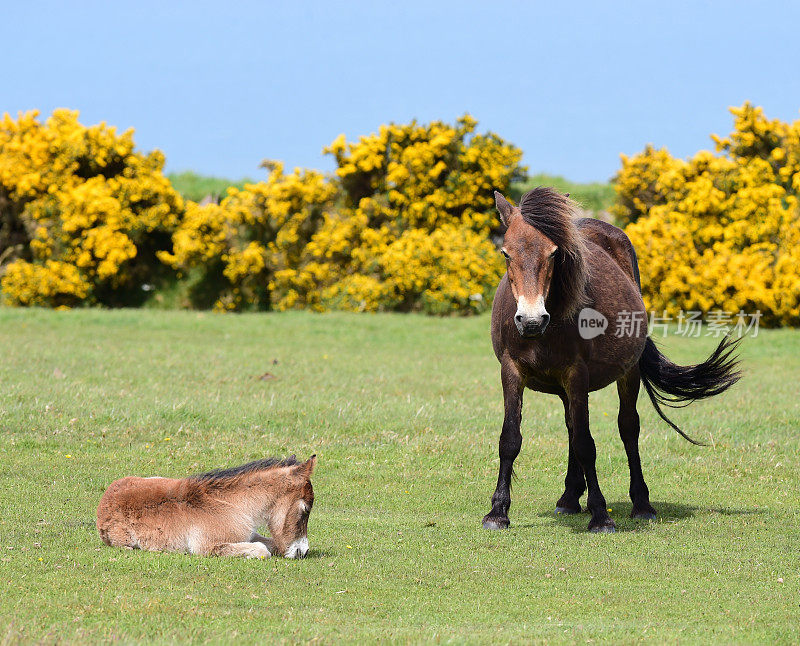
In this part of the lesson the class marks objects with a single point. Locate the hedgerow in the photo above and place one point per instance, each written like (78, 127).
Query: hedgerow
(405, 222)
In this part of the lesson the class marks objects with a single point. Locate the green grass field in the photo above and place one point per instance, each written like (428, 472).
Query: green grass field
(404, 413)
(194, 186)
(594, 196)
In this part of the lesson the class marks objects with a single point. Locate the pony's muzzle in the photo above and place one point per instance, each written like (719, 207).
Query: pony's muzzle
(530, 326)
(298, 549)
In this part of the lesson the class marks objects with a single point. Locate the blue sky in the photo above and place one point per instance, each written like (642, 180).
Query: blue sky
(220, 86)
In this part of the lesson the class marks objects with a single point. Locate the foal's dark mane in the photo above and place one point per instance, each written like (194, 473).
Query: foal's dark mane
(551, 213)
(219, 475)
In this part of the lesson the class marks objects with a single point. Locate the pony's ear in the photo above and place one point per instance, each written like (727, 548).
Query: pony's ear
(504, 208)
(308, 465)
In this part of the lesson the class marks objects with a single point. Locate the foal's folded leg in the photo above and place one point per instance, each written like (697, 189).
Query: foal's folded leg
(248, 550)
(266, 540)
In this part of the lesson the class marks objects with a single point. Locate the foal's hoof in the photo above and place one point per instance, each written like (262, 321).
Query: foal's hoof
(604, 527)
(495, 522)
(567, 511)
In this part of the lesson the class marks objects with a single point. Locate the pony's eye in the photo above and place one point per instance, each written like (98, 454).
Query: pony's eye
(505, 255)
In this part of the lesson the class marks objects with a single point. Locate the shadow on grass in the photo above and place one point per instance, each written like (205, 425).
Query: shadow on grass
(313, 552)
(668, 512)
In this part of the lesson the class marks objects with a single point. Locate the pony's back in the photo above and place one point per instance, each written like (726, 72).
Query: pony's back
(615, 242)
(131, 503)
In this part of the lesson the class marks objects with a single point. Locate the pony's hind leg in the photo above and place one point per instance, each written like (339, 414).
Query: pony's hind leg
(510, 445)
(577, 388)
(574, 482)
(628, 420)
(255, 550)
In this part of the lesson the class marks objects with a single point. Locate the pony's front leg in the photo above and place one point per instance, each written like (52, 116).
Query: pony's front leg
(582, 444)
(510, 445)
(266, 540)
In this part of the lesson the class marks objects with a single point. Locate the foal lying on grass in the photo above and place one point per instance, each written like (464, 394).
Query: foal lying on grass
(216, 513)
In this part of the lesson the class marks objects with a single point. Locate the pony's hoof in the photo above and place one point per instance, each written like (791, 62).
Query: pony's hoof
(607, 527)
(644, 515)
(567, 511)
(495, 523)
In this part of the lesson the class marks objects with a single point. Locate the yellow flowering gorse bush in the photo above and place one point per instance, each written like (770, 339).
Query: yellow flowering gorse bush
(252, 234)
(719, 231)
(411, 231)
(404, 225)
(82, 213)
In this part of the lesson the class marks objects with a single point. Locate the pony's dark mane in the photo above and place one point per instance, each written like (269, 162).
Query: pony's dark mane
(551, 213)
(256, 465)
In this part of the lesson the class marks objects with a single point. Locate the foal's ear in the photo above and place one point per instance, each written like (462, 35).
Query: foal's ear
(504, 208)
(308, 465)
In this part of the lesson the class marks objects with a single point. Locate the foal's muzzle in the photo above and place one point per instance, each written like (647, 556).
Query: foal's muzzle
(298, 549)
(531, 326)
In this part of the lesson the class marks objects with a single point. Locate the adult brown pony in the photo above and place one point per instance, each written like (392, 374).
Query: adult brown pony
(216, 513)
(556, 266)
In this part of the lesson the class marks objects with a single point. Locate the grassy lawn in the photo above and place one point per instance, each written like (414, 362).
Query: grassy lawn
(594, 196)
(404, 413)
(196, 187)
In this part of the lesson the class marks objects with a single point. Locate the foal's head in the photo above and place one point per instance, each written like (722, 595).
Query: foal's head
(288, 522)
(544, 258)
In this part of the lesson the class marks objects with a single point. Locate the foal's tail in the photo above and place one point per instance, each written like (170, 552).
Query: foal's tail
(676, 386)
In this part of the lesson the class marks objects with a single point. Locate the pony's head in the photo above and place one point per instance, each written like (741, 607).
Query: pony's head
(288, 520)
(544, 258)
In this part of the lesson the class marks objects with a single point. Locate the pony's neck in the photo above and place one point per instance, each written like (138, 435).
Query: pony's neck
(257, 493)
(568, 290)
(256, 497)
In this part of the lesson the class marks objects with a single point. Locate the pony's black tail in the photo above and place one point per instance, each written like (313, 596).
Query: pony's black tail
(676, 386)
